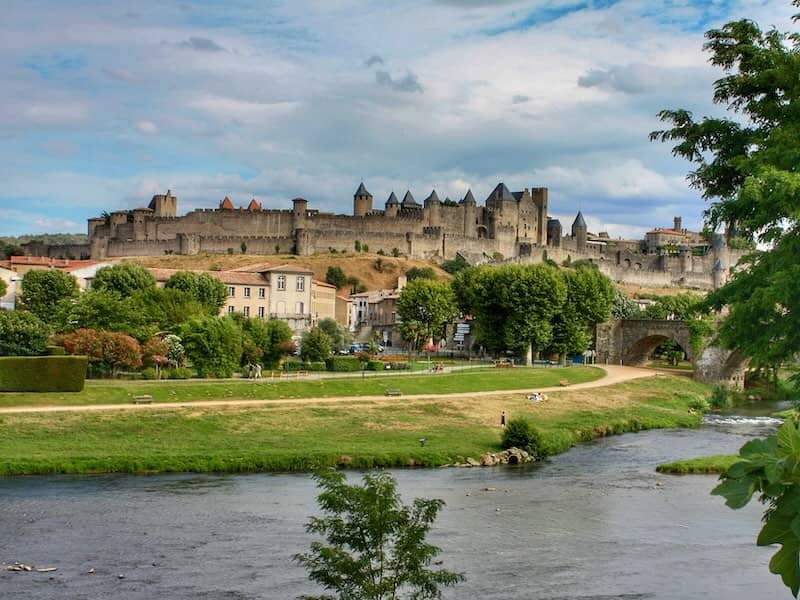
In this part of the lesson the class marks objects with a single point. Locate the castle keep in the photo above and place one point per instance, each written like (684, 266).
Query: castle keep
(433, 229)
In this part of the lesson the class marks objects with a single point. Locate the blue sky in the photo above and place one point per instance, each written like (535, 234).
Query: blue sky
(105, 104)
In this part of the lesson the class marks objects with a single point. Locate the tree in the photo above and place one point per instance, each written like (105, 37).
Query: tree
(43, 289)
(455, 265)
(278, 342)
(747, 168)
(104, 310)
(22, 334)
(374, 546)
(176, 354)
(623, 307)
(123, 279)
(3, 288)
(430, 304)
(166, 309)
(206, 289)
(213, 345)
(335, 276)
(678, 306)
(336, 334)
(112, 351)
(420, 273)
(315, 345)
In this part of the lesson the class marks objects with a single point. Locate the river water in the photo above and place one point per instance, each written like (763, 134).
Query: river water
(595, 523)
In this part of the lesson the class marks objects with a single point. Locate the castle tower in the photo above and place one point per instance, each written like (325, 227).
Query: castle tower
(164, 205)
(409, 202)
(676, 223)
(579, 232)
(469, 214)
(299, 213)
(362, 201)
(433, 209)
(392, 206)
(686, 259)
(140, 216)
(539, 196)
(554, 233)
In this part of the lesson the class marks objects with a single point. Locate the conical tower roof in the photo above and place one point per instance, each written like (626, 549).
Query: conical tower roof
(468, 198)
(362, 191)
(502, 192)
(226, 203)
(253, 205)
(579, 222)
(392, 199)
(408, 200)
(434, 197)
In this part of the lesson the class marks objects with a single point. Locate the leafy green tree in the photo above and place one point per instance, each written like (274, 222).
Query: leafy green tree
(7, 250)
(678, 306)
(420, 273)
(374, 545)
(22, 334)
(176, 354)
(519, 433)
(206, 289)
(166, 309)
(278, 342)
(335, 332)
(455, 265)
(335, 276)
(213, 345)
(3, 288)
(747, 167)
(109, 350)
(428, 303)
(623, 307)
(123, 279)
(315, 345)
(43, 289)
(102, 309)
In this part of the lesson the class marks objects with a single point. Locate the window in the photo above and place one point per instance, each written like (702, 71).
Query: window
(247, 292)
(231, 291)
(230, 310)
(260, 312)
(301, 283)
(281, 282)
(262, 293)
(246, 311)
(298, 308)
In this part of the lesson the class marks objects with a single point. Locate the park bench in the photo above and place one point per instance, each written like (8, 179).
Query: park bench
(143, 399)
(393, 392)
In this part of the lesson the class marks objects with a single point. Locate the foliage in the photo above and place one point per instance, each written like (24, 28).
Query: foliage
(682, 307)
(107, 310)
(213, 345)
(720, 397)
(700, 330)
(395, 252)
(623, 307)
(700, 405)
(519, 433)
(110, 350)
(769, 467)
(278, 342)
(337, 335)
(7, 250)
(378, 264)
(423, 307)
(43, 289)
(374, 545)
(335, 276)
(206, 289)
(176, 354)
(123, 279)
(455, 265)
(357, 245)
(420, 273)
(315, 345)
(513, 305)
(22, 334)
(42, 373)
(746, 167)
(343, 363)
(3, 288)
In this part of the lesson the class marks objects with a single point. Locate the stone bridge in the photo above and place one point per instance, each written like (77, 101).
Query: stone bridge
(631, 341)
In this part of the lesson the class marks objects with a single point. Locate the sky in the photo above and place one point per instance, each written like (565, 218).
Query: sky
(106, 103)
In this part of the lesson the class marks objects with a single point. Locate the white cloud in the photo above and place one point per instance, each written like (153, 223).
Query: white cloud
(147, 127)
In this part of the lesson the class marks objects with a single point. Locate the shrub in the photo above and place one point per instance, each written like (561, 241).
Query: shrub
(721, 397)
(56, 351)
(399, 366)
(375, 365)
(700, 405)
(519, 433)
(22, 334)
(42, 373)
(315, 365)
(179, 373)
(150, 373)
(335, 276)
(342, 363)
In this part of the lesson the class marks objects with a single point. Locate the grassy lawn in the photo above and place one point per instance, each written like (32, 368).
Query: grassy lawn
(354, 433)
(472, 380)
(703, 465)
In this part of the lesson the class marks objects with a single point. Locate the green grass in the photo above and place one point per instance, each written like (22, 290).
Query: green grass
(472, 380)
(703, 465)
(301, 437)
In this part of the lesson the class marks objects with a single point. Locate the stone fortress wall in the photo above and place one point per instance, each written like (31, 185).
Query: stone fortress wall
(510, 226)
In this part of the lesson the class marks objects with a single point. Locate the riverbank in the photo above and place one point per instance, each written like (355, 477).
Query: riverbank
(703, 465)
(351, 432)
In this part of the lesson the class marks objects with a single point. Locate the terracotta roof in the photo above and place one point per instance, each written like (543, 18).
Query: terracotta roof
(667, 231)
(253, 205)
(65, 264)
(343, 298)
(226, 203)
(267, 267)
(323, 283)
(289, 269)
(227, 277)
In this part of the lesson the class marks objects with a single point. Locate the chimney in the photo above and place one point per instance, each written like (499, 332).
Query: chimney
(676, 223)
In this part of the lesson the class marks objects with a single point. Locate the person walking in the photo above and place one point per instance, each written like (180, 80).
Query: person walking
(503, 419)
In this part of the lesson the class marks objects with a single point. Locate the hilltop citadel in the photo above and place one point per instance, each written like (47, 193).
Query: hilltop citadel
(509, 226)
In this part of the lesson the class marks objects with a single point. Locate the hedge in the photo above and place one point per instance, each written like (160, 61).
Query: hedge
(42, 373)
(375, 365)
(294, 365)
(342, 363)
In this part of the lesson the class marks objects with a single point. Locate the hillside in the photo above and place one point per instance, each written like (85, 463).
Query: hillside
(360, 265)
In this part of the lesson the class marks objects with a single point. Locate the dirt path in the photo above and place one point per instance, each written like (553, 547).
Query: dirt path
(614, 374)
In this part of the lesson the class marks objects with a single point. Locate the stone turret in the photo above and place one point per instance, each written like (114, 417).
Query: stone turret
(676, 223)
(433, 209)
(164, 205)
(392, 206)
(299, 213)
(409, 202)
(554, 233)
(469, 214)
(362, 201)
(686, 259)
(579, 232)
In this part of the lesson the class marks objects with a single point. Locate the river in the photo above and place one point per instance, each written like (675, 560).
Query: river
(595, 523)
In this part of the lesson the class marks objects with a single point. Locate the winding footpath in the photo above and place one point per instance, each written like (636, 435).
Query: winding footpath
(614, 374)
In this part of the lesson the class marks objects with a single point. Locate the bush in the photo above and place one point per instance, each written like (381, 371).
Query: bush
(342, 363)
(56, 351)
(178, 373)
(399, 366)
(316, 366)
(149, 373)
(42, 373)
(700, 405)
(519, 433)
(22, 334)
(375, 365)
(721, 397)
